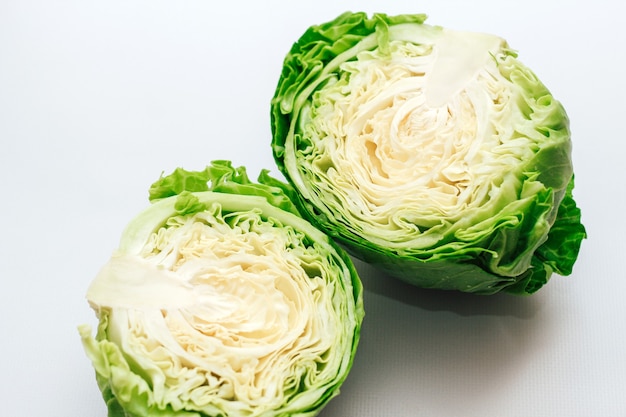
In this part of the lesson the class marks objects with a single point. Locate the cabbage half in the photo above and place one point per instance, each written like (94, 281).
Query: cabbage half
(433, 154)
(222, 301)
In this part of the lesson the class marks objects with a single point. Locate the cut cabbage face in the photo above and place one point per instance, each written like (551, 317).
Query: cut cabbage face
(432, 153)
(222, 304)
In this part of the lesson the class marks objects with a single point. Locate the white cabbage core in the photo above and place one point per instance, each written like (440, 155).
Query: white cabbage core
(227, 312)
(406, 141)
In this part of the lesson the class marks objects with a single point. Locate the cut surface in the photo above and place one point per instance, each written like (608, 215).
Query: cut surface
(412, 138)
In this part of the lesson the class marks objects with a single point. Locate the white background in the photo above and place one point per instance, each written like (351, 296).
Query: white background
(98, 98)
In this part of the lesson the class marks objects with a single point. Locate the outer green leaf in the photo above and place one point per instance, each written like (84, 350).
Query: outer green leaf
(561, 249)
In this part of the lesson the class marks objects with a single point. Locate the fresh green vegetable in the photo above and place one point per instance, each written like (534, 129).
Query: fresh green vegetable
(431, 153)
(222, 301)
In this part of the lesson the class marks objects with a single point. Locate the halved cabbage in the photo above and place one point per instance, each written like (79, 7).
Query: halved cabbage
(222, 301)
(431, 153)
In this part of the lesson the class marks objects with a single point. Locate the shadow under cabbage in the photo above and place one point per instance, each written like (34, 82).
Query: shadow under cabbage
(444, 353)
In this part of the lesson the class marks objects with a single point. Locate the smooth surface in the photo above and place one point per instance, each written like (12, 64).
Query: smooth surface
(98, 98)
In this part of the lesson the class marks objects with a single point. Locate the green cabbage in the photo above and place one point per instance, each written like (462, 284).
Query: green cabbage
(433, 154)
(222, 301)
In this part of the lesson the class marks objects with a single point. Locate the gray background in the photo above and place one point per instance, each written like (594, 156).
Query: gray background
(97, 98)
